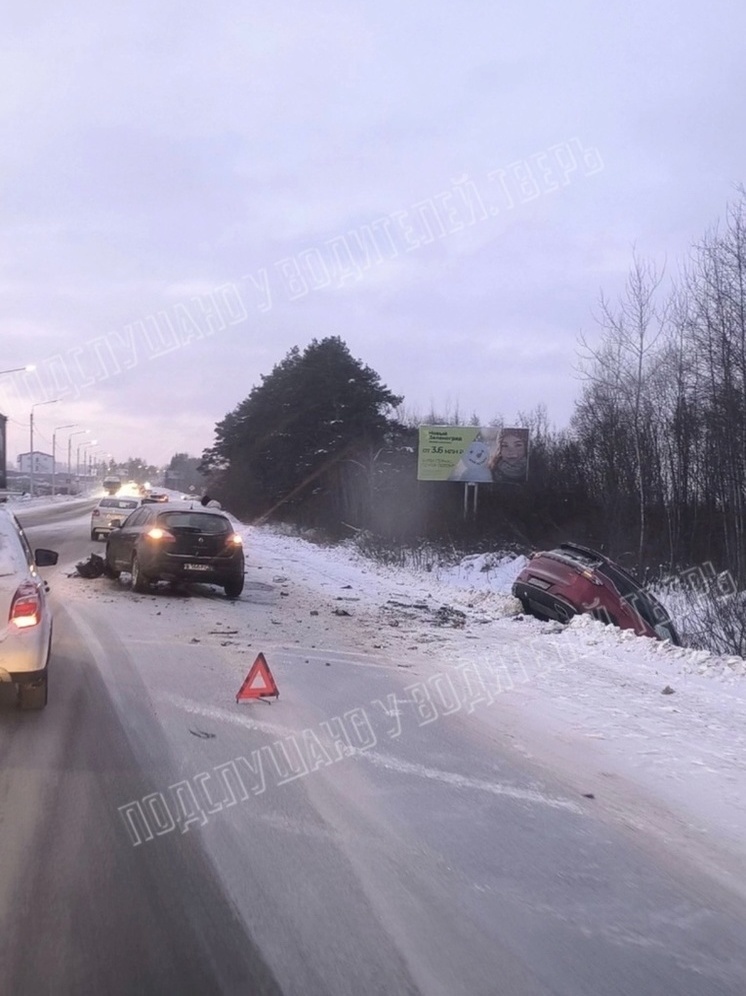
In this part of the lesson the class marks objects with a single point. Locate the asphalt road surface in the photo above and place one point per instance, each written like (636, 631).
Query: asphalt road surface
(437, 863)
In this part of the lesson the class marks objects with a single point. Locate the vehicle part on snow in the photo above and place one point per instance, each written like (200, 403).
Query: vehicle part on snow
(91, 568)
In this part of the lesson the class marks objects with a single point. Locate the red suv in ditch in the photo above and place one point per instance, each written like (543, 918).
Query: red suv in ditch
(560, 583)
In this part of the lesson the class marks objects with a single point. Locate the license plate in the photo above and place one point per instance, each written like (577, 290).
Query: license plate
(196, 567)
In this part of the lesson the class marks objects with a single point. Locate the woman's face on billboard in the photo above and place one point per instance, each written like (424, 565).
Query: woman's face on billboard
(512, 447)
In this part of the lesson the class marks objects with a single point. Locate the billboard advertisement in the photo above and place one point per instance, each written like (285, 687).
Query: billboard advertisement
(472, 454)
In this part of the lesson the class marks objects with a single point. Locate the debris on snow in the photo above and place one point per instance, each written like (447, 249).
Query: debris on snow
(446, 615)
(91, 568)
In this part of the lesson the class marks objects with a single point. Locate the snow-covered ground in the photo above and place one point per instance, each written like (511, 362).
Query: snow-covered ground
(614, 711)
(655, 731)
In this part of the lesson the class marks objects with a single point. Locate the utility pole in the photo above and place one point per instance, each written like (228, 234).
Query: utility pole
(31, 441)
(70, 425)
(70, 453)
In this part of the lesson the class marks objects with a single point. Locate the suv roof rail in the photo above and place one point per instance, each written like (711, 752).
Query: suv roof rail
(611, 566)
(583, 549)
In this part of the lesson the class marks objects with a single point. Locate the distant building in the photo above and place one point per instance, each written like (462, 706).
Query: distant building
(43, 463)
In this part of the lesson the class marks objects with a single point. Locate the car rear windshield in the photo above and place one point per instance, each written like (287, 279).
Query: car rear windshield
(11, 557)
(118, 503)
(215, 525)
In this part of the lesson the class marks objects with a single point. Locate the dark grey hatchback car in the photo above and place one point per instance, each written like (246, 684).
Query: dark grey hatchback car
(180, 541)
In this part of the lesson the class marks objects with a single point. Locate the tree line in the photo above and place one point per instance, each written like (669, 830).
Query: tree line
(651, 468)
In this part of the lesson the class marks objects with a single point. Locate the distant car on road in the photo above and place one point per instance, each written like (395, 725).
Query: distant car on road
(110, 513)
(179, 541)
(112, 484)
(25, 614)
(156, 496)
(569, 580)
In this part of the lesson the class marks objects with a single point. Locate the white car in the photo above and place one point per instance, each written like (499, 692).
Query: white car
(25, 615)
(110, 513)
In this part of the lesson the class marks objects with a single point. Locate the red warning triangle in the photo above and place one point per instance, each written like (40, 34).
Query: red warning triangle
(264, 687)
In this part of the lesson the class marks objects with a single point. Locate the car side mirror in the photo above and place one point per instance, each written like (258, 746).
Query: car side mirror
(45, 558)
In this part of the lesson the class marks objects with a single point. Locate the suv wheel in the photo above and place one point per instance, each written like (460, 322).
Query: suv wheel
(139, 581)
(33, 696)
(234, 587)
(94, 534)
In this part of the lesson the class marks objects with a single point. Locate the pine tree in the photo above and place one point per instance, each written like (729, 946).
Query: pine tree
(282, 443)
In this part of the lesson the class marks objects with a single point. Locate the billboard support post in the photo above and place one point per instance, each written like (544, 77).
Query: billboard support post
(474, 489)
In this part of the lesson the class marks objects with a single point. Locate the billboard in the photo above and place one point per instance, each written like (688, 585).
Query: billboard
(473, 454)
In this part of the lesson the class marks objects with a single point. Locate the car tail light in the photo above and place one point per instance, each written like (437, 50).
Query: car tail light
(234, 540)
(25, 609)
(160, 535)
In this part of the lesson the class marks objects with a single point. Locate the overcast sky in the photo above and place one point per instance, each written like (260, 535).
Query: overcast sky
(188, 191)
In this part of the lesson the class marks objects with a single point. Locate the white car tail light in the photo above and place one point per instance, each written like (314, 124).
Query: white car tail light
(25, 609)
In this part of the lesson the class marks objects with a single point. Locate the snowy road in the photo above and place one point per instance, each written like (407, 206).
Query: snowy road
(378, 829)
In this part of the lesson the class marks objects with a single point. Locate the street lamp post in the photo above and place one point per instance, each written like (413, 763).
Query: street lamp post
(80, 432)
(31, 441)
(27, 369)
(89, 460)
(90, 442)
(70, 425)
(3, 421)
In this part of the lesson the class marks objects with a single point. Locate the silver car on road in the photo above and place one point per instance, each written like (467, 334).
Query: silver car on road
(111, 513)
(25, 614)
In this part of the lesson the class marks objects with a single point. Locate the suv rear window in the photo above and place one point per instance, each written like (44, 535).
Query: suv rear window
(198, 522)
(118, 503)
